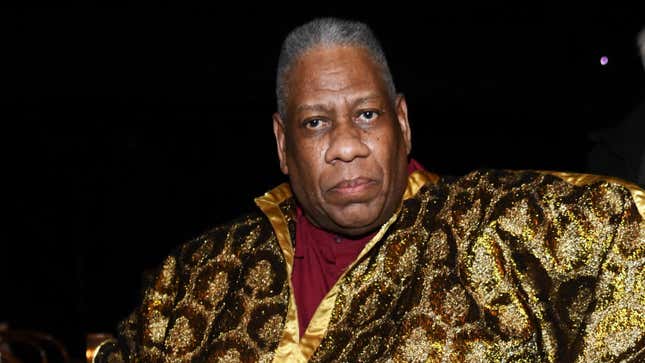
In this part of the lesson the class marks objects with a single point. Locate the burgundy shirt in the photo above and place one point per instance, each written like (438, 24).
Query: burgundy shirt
(320, 258)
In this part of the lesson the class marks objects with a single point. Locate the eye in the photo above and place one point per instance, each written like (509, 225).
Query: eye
(369, 115)
(314, 123)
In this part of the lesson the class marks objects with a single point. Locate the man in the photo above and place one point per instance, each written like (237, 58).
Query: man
(364, 256)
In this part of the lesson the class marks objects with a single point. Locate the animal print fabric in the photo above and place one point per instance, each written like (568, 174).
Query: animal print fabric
(495, 266)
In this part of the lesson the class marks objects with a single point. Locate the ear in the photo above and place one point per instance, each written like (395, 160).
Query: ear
(279, 132)
(404, 124)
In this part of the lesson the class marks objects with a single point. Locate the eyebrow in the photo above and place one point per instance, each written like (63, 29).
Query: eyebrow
(319, 107)
(365, 99)
(315, 107)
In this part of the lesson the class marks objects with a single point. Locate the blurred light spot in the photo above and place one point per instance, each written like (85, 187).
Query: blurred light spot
(604, 60)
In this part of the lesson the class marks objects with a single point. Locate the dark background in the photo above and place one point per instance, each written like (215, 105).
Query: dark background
(129, 130)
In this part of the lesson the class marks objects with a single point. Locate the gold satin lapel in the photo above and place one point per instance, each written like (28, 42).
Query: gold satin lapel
(320, 321)
(288, 350)
(269, 203)
(583, 179)
(418, 179)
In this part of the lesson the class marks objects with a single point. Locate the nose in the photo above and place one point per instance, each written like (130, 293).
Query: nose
(346, 143)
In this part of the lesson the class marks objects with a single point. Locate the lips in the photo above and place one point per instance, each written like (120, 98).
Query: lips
(355, 190)
(349, 184)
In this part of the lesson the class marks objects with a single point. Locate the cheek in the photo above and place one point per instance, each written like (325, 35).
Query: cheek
(389, 154)
(384, 147)
(305, 159)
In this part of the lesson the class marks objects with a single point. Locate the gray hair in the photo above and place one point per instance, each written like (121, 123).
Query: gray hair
(327, 32)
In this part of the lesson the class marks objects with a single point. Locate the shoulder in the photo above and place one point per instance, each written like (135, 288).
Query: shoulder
(528, 197)
(501, 180)
(224, 246)
(234, 237)
(193, 280)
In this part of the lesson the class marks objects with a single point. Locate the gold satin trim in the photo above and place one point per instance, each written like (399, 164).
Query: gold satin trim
(418, 179)
(320, 321)
(583, 179)
(290, 349)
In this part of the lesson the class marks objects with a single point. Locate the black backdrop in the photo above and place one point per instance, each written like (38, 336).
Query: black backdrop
(129, 130)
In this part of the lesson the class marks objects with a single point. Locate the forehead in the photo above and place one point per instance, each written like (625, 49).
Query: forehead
(328, 74)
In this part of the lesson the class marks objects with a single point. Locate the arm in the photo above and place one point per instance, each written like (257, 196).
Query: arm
(552, 265)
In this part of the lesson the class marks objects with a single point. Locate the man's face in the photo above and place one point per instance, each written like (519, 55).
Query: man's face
(343, 144)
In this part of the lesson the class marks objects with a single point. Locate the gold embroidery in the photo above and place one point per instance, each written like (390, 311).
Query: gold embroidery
(496, 266)
(585, 179)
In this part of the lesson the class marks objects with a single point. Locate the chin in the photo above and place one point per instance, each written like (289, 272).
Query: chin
(355, 224)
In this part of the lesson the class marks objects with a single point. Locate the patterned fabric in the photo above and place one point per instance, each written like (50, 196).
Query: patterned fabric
(496, 266)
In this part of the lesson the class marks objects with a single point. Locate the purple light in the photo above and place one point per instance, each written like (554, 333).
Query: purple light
(604, 60)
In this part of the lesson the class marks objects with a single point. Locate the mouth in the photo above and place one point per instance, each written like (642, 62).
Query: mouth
(353, 186)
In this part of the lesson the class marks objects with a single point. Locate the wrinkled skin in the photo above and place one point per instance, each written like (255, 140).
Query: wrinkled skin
(344, 142)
